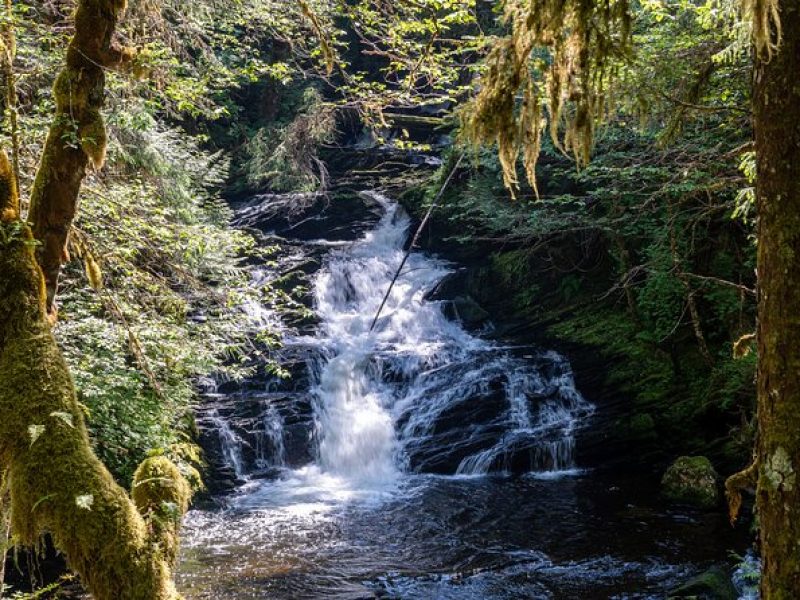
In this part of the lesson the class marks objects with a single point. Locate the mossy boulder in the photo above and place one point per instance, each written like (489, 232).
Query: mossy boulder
(692, 480)
(714, 584)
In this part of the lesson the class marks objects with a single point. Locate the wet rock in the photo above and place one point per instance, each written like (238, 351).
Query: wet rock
(454, 284)
(691, 480)
(460, 304)
(714, 584)
(465, 428)
(299, 441)
(310, 217)
(222, 479)
(469, 312)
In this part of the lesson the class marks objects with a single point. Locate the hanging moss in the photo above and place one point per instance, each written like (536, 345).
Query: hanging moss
(583, 37)
(94, 142)
(766, 23)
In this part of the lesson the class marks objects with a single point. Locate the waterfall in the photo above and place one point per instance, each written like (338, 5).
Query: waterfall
(419, 393)
(270, 445)
(230, 443)
(384, 399)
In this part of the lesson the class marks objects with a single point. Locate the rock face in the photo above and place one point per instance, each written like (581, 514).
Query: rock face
(714, 584)
(692, 480)
(458, 303)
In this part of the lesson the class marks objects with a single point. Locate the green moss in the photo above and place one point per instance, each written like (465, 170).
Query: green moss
(57, 484)
(69, 94)
(162, 495)
(93, 138)
(9, 197)
(157, 482)
(691, 480)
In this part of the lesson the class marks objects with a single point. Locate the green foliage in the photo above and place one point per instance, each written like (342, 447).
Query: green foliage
(415, 51)
(193, 58)
(688, 67)
(173, 305)
(512, 268)
(159, 291)
(39, 594)
(746, 197)
(661, 298)
(283, 156)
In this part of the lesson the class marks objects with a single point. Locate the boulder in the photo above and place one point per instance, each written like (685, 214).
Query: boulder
(469, 312)
(692, 480)
(714, 584)
(452, 285)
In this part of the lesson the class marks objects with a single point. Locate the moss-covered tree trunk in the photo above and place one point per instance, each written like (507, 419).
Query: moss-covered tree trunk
(77, 137)
(121, 550)
(777, 126)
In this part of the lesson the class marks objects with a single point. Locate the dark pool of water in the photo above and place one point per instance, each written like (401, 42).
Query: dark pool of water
(581, 536)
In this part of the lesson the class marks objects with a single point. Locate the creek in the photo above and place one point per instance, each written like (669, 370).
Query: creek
(419, 460)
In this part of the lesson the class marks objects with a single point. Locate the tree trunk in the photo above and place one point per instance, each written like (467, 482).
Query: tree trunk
(9, 51)
(122, 550)
(77, 137)
(777, 127)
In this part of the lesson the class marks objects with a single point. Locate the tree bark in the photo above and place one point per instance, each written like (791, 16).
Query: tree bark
(777, 128)
(5, 530)
(77, 137)
(9, 51)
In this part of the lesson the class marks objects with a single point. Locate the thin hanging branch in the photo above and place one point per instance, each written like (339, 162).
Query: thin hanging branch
(694, 313)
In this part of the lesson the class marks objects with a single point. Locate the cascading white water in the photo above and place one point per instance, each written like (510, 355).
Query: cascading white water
(230, 443)
(381, 397)
(355, 425)
(417, 394)
(270, 446)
